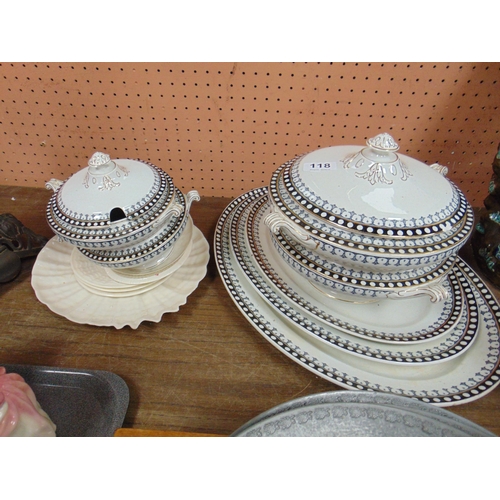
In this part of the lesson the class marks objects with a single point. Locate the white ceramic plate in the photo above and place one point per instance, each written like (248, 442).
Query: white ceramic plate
(92, 275)
(457, 381)
(56, 286)
(454, 343)
(122, 293)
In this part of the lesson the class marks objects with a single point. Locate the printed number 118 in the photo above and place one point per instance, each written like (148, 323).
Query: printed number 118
(320, 166)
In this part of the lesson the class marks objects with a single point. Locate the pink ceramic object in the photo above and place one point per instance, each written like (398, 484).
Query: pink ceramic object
(20, 412)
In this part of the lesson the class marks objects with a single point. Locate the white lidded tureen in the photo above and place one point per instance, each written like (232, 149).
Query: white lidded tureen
(368, 221)
(119, 213)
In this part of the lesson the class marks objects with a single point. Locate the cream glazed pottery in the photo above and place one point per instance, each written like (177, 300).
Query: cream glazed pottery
(372, 212)
(299, 333)
(58, 287)
(119, 213)
(423, 249)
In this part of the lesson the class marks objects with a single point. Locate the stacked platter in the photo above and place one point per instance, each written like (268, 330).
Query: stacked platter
(434, 339)
(126, 249)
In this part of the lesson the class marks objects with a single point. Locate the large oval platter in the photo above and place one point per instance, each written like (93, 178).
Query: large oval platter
(454, 343)
(462, 379)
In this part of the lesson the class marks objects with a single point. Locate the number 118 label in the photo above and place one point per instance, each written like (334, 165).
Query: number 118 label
(328, 165)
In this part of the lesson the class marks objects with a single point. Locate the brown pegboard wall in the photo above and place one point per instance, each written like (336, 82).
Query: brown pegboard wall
(223, 128)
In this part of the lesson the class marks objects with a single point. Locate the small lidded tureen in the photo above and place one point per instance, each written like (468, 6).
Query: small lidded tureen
(119, 213)
(369, 221)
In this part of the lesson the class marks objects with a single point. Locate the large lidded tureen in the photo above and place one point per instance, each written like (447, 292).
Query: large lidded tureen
(119, 213)
(367, 221)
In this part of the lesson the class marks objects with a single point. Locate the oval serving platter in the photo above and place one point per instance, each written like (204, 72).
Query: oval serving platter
(421, 322)
(455, 343)
(466, 378)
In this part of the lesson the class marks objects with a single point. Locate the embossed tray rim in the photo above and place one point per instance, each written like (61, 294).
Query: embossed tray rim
(444, 420)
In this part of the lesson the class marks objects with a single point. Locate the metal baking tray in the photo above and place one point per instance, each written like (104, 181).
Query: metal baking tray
(82, 403)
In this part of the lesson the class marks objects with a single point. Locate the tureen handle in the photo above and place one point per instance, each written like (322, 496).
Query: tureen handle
(378, 162)
(54, 184)
(276, 221)
(101, 164)
(383, 143)
(435, 290)
(440, 168)
(190, 197)
(177, 209)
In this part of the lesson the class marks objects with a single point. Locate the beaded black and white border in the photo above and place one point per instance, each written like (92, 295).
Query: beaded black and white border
(142, 253)
(338, 232)
(456, 342)
(450, 214)
(451, 308)
(487, 374)
(91, 228)
(346, 233)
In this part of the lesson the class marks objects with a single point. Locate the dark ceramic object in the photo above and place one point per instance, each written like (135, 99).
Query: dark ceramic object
(486, 237)
(16, 242)
(10, 264)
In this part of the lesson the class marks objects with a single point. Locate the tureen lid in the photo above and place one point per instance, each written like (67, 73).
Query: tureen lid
(109, 197)
(373, 188)
(94, 192)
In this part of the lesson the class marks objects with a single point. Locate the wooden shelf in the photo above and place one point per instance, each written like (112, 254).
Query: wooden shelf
(202, 370)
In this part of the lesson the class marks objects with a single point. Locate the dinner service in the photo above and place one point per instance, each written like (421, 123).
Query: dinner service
(383, 320)
(312, 261)
(56, 286)
(119, 213)
(370, 212)
(269, 301)
(126, 249)
(454, 343)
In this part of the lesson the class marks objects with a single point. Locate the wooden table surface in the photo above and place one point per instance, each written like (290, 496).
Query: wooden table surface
(203, 369)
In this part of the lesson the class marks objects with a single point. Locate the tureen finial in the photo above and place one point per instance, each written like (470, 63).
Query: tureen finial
(98, 159)
(380, 161)
(383, 142)
(101, 164)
